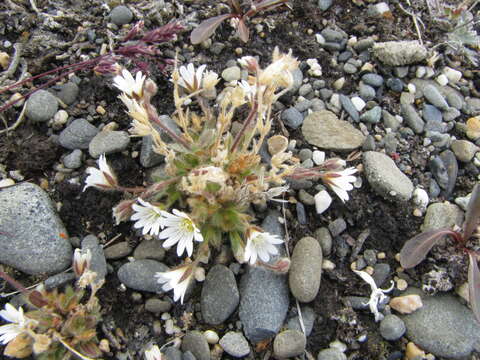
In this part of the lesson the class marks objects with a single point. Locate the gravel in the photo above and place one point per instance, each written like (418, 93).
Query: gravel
(140, 275)
(108, 142)
(392, 328)
(121, 15)
(195, 342)
(399, 53)
(98, 262)
(73, 160)
(235, 344)
(292, 118)
(289, 343)
(68, 93)
(77, 135)
(331, 354)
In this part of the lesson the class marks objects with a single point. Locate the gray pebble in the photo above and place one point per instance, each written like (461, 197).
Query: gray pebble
(149, 249)
(98, 262)
(292, 118)
(220, 296)
(349, 68)
(77, 135)
(140, 275)
(297, 79)
(363, 44)
(390, 143)
(41, 106)
(395, 84)
(451, 114)
(68, 93)
(306, 198)
(331, 354)
(390, 121)
(301, 213)
(187, 355)
(73, 160)
(434, 97)
(369, 144)
(317, 104)
(305, 154)
(325, 240)
(232, 73)
(331, 35)
(108, 142)
(172, 353)
(454, 99)
(58, 280)
(366, 92)
(392, 328)
(196, 342)
(337, 226)
(148, 156)
(349, 107)
(326, 94)
(372, 116)
(31, 239)
(235, 344)
(308, 317)
(324, 4)
(305, 89)
(117, 251)
(381, 273)
(121, 15)
(370, 257)
(431, 113)
(413, 120)
(374, 80)
(157, 306)
(303, 105)
(289, 343)
(464, 150)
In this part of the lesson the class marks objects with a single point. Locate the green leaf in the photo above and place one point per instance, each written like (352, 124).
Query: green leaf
(213, 187)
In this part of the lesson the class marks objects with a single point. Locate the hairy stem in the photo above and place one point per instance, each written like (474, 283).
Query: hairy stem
(247, 122)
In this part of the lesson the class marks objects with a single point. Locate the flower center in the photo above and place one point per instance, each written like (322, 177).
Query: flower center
(187, 225)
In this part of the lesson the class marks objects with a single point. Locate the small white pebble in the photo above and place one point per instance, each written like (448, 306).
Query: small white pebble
(6, 182)
(417, 212)
(420, 198)
(169, 327)
(338, 84)
(369, 270)
(452, 75)
(406, 304)
(411, 88)
(402, 284)
(211, 336)
(322, 201)
(200, 274)
(328, 265)
(335, 101)
(320, 39)
(397, 257)
(430, 72)
(352, 41)
(318, 157)
(421, 71)
(358, 103)
(166, 316)
(337, 344)
(442, 80)
(381, 255)
(367, 67)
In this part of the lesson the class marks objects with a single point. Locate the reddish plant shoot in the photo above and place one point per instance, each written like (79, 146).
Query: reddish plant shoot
(416, 249)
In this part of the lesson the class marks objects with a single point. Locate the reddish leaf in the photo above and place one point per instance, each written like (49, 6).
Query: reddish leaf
(473, 213)
(242, 31)
(474, 286)
(417, 248)
(265, 5)
(207, 28)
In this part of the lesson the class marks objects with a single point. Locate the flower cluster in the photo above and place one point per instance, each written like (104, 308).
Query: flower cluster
(213, 172)
(61, 324)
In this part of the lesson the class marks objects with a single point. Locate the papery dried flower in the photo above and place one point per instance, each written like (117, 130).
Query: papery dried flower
(190, 79)
(19, 323)
(261, 245)
(102, 178)
(123, 211)
(210, 80)
(135, 30)
(133, 87)
(164, 33)
(377, 296)
(278, 73)
(177, 279)
(153, 353)
(148, 217)
(249, 63)
(81, 261)
(41, 343)
(179, 229)
(107, 65)
(197, 180)
(340, 181)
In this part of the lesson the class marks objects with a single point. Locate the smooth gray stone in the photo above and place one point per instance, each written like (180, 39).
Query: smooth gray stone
(98, 263)
(304, 105)
(364, 44)
(32, 236)
(220, 296)
(292, 118)
(288, 344)
(350, 68)
(400, 53)
(442, 215)
(381, 273)
(108, 142)
(195, 342)
(73, 160)
(395, 84)
(372, 79)
(337, 226)
(369, 144)
(121, 15)
(390, 143)
(366, 92)
(264, 303)
(372, 116)
(272, 225)
(118, 251)
(324, 4)
(331, 35)
(390, 121)
(392, 328)
(172, 353)
(301, 213)
(305, 89)
(443, 326)
(431, 113)
(413, 120)
(58, 280)
(297, 79)
(331, 354)
(149, 249)
(41, 106)
(305, 269)
(308, 316)
(451, 165)
(77, 135)
(140, 275)
(68, 93)
(325, 240)
(349, 107)
(325, 130)
(187, 355)
(148, 157)
(434, 97)
(157, 306)
(385, 177)
(235, 344)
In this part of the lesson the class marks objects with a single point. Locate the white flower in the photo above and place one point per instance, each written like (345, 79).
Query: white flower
(377, 295)
(81, 261)
(262, 245)
(129, 85)
(340, 181)
(153, 353)
(104, 178)
(177, 280)
(18, 323)
(147, 216)
(190, 79)
(179, 229)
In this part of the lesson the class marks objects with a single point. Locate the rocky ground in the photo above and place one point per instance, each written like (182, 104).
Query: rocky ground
(405, 113)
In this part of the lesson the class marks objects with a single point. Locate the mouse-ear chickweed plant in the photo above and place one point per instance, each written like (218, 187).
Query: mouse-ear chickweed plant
(212, 173)
(60, 324)
(416, 249)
